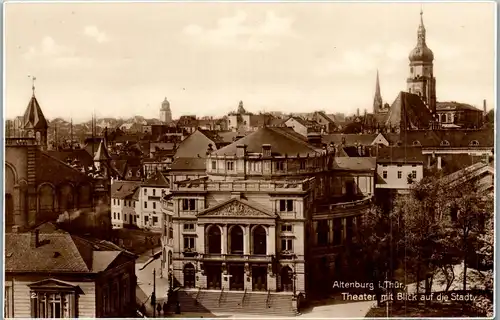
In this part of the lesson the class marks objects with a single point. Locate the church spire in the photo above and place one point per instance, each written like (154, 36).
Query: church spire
(377, 100)
(421, 29)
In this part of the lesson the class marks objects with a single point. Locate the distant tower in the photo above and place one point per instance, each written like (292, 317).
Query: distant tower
(377, 99)
(102, 158)
(241, 109)
(34, 123)
(165, 112)
(421, 80)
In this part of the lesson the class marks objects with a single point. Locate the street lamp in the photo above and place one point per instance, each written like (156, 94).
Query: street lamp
(294, 277)
(153, 295)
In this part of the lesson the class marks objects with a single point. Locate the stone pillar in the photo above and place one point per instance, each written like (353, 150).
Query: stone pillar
(439, 163)
(225, 279)
(330, 231)
(18, 212)
(271, 240)
(223, 239)
(248, 277)
(271, 278)
(246, 240)
(200, 234)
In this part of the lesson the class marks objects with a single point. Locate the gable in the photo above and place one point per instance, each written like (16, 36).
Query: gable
(380, 139)
(236, 208)
(52, 284)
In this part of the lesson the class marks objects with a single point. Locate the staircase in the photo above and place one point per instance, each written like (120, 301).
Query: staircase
(234, 302)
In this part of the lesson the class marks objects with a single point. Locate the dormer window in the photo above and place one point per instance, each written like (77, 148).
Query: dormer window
(416, 143)
(474, 143)
(445, 143)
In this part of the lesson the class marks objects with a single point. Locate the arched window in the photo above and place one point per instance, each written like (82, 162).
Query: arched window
(445, 143)
(66, 198)
(416, 143)
(322, 232)
(259, 237)
(236, 240)
(46, 199)
(286, 276)
(214, 239)
(189, 276)
(474, 143)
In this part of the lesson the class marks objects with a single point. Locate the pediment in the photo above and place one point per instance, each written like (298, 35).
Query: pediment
(53, 284)
(237, 208)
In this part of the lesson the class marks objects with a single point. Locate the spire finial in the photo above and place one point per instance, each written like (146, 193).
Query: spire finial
(33, 79)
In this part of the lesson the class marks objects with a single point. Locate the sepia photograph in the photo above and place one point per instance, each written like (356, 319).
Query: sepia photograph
(249, 159)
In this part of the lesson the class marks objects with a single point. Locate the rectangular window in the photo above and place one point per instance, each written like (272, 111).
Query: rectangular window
(302, 164)
(189, 243)
(8, 310)
(189, 204)
(189, 226)
(119, 215)
(145, 191)
(289, 205)
(287, 245)
(51, 305)
(349, 229)
(280, 165)
(384, 174)
(114, 215)
(154, 192)
(125, 217)
(214, 165)
(337, 232)
(282, 205)
(145, 205)
(170, 233)
(400, 174)
(146, 219)
(230, 165)
(155, 220)
(286, 228)
(414, 174)
(154, 205)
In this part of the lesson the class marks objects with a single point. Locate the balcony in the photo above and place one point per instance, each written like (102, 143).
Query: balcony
(343, 207)
(284, 186)
(21, 142)
(236, 257)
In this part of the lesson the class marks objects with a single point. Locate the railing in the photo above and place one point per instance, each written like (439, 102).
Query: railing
(197, 296)
(268, 298)
(267, 186)
(236, 257)
(21, 142)
(243, 299)
(220, 297)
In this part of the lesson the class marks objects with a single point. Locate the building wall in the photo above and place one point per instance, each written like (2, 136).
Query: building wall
(150, 207)
(397, 175)
(86, 301)
(296, 126)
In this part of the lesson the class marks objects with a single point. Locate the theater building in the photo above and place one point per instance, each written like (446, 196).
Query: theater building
(267, 222)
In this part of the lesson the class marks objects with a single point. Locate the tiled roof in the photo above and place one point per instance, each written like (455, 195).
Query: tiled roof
(194, 145)
(359, 163)
(452, 105)
(58, 251)
(56, 171)
(326, 117)
(282, 143)
(188, 164)
(400, 154)
(350, 139)
(455, 138)
(33, 116)
(157, 180)
(124, 189)
(409, 111)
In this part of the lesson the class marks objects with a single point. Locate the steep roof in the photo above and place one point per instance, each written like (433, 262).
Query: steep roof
(195, 144)
(33, 116)
(409, 111)
(124, 189)
(354, 163)
(59, 252)
(282, 142)
(453, 105)
(158, 179)
(400, 154)
(188, 164)
(102, 152)
(450, 138)
(350, 138)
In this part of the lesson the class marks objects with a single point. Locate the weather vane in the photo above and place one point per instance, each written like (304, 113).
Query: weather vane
(33, 79)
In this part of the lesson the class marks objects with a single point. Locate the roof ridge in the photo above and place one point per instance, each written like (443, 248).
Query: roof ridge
(288, 135)
(62, 162)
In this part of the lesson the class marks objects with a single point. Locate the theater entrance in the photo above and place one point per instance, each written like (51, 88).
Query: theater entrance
(214, 276)
(259, 278)
(237, 279)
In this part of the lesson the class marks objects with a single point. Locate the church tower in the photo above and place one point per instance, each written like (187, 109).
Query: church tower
(34, 123)
(377, 100)
(165, 112)
(421, 79)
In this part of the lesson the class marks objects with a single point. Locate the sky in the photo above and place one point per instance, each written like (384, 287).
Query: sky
(123, 59)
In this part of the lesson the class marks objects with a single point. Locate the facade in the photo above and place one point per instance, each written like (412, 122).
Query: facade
(165, 112)
(459, 115)
(124, 203)
(150, 196)
(50, 273)
(267, 218)
(303, 127)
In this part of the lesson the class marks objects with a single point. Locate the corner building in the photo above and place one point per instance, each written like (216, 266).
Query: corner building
(267, 223)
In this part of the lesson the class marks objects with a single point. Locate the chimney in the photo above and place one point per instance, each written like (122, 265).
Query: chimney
(357, 112)
(484, 106)
(241, 150)
(35, 238)
(266, 150)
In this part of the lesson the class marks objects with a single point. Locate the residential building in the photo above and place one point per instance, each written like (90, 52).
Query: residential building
(50, 273)
(302, 126)
(149, 204)
(124, 204)
(271, 218)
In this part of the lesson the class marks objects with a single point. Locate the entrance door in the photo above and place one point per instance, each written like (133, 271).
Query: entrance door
(237, 278)
(214, 275)
(259, 278)
(189, 276)
(9, 210)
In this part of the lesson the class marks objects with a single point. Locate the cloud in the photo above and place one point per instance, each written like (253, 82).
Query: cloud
(95, 33)
(236, 31)
(51, 53)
